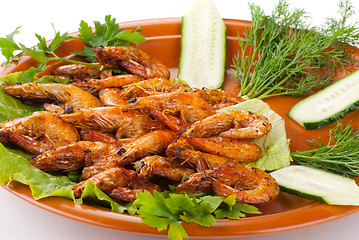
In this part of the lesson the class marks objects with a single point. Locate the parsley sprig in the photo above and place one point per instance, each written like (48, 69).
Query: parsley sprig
(165, 210)
(340, 155)
(283, 55)
(106, 34)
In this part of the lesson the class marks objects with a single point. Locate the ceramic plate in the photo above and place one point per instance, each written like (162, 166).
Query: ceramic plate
(287, 212)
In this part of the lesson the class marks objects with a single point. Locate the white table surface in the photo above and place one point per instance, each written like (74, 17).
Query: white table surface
(22, 220)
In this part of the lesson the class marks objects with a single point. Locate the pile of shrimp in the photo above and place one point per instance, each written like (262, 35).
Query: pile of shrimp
(130, 132)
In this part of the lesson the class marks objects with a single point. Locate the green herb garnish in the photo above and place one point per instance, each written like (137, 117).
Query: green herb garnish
(165, 210)
(286, 56)
(106, 34)
(340, 155)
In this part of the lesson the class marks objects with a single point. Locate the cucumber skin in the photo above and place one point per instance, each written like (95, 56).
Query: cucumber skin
(302, 194)
(180, 58)
(333, 118)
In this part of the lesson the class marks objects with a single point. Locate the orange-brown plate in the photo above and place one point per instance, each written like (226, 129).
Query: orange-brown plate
(287, 212)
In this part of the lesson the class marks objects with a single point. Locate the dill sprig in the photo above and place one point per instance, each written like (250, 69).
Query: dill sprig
(340, 155)
(283, 55)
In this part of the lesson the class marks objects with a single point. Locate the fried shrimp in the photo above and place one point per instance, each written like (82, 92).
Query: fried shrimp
(186, 107)
(118, 183)
(132, 60)
(218, 99)
(236, 149)
(231, 124)
(203, 153)
(130, 129)
(114, 81)
(38, 132)
(161, 166)
(128, 124)
(68, 95)
(73, 156)
(248, 184)
(152, 86)
(77, 72)
(161, 85)
(112, 97)
(153, 143)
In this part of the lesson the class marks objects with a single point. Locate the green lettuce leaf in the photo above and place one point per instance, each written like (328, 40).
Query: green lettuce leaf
(11, 107)
(275, 145)
(14, 165)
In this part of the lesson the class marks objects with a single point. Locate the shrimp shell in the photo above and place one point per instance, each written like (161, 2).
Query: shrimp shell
(72, 156)
(38, 132)
(231, 124)
(249, 184)
(133, 60)
(161, 166)
(128, 124)
(77, 72)
(186, 106)
(153, 143)
(236, 149)
(69, 95)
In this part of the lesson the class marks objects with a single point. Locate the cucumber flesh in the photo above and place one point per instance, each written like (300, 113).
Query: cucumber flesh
(203, 46)
(318, 185)
(328, 105)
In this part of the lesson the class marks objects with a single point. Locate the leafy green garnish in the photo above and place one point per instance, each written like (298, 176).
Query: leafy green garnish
(8, 46)
(11, 107)
(283, 55)
(165, 210)
(14, 165)
(275, 145)
(340, 155)
(106, 34)
(44, 52)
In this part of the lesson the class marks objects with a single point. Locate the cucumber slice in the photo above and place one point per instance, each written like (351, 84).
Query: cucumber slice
(329, 104)
(203, 46)
(318, 185)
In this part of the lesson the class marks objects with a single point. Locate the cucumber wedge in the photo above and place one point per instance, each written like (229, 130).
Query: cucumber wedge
(318, 185)
(203, 46)
(329, 104)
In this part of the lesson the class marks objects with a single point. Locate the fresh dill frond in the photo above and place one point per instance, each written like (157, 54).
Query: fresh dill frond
(340, 155)
(283, 55)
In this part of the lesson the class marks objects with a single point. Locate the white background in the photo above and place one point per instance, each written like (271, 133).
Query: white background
(21, 220)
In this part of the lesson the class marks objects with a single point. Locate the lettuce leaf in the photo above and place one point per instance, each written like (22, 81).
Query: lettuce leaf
(275, 145)
(15, 166)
